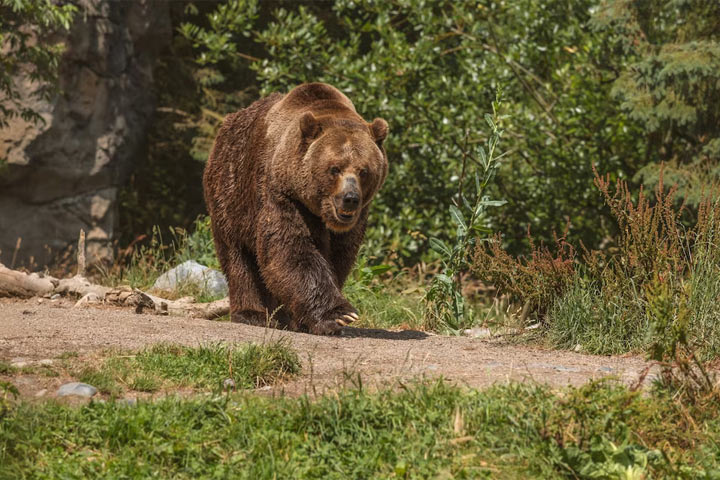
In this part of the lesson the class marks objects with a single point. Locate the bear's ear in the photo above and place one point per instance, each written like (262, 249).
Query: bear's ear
(309, 126)
(379, 129)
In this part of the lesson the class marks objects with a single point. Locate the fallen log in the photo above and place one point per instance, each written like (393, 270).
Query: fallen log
(19, 284)
(14, 283)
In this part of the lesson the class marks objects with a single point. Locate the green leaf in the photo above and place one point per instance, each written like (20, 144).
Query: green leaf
(440, 247)
(457, 216)
(379, 269)
(489, 120)
(493, 203)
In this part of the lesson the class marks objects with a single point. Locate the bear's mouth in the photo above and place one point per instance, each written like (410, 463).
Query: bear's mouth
(339, 220)
(345, 217)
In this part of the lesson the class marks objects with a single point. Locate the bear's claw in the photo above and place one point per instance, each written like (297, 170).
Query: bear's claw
(346, 319)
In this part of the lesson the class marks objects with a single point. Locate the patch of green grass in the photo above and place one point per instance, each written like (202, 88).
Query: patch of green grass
(384, 301)
(600, 325)
(386, 307)
(101, 379)
(204, 367)
(601, 430)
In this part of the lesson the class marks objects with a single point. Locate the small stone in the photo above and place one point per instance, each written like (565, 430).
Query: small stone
(55, 297)
(41, 393)
(76, 388)
(39, 301)
(578, 348)
(229, 384)
(46, 361)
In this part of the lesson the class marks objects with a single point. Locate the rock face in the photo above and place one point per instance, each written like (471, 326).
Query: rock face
(64, 175)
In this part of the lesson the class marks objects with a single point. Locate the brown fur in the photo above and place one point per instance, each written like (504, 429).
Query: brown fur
(274, 186)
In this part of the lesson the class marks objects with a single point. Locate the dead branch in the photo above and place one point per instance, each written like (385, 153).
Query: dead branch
(81, 254)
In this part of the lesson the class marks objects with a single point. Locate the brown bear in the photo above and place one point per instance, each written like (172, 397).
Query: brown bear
(288, 186)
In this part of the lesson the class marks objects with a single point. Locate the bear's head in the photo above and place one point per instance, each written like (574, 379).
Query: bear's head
(346, 166)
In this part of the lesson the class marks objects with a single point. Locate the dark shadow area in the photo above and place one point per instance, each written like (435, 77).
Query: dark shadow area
(353, 332)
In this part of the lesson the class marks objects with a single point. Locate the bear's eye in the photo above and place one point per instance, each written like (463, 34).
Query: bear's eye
(364, 172)
(334, 171)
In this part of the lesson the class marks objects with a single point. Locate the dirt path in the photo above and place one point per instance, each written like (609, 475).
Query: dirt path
(33, 331)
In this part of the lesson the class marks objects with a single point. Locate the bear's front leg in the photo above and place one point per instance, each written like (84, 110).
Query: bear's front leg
(296, 273)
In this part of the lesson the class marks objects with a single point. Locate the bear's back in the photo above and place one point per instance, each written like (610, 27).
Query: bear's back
(236, 167)
(307, 95)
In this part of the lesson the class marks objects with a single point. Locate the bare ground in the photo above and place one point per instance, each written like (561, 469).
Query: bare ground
(34, 330)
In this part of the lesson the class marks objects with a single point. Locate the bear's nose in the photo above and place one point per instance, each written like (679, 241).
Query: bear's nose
(350, 201)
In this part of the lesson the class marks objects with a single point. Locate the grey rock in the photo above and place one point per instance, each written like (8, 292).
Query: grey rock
(191, 272)
(478, 332)
(229, 384)
(77, 388)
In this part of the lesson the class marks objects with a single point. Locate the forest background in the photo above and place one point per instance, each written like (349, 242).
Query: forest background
(622, 86)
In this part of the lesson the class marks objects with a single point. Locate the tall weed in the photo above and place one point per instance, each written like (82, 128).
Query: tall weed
(657, 288)
(445, 305)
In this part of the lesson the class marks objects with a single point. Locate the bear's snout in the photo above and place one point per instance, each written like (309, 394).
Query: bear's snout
(348, 199)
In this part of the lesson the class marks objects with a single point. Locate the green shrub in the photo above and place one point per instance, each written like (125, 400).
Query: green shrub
(429, 68)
